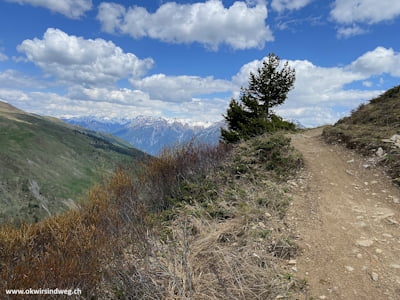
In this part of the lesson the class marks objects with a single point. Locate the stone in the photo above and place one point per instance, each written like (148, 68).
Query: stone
(374, 276)
(349, 268)
(387, 140)
(378, 251)
(395, 266)
(364, 242)
(395, 138)
(392, 221)
(380, 152)
(395, 199)
(292, 262)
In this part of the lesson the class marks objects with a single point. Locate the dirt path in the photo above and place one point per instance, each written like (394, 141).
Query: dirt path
(348, 221)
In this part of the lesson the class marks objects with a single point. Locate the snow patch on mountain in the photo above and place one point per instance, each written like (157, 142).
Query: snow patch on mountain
(151, 134)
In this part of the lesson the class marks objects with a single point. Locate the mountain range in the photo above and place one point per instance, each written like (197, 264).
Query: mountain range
(151, 134)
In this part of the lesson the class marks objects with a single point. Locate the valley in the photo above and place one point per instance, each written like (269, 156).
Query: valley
(47, 165)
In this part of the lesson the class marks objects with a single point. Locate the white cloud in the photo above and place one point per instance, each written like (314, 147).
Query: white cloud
(310, 116)
(320, 95)
(281, 5)
(241, 26)
(15, 79)
(381, 60)
(77, 60)
(130, 103)
(181, 88)
(70, 8)
(365, 11)
(10, 96)
(121, 96)
(113, 103)
(3, 57)
(367, 83)
(347, 32)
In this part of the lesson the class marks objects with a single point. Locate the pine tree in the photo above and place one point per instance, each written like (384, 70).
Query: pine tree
(252, 115)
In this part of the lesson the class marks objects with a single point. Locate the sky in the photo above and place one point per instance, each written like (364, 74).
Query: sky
(187, 59)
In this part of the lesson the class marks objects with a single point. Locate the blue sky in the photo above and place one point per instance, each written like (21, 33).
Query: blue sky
(187, 59)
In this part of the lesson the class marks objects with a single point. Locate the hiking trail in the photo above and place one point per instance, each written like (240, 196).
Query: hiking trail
(346, 214)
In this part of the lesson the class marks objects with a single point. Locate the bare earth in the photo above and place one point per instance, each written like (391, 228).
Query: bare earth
(347, 218)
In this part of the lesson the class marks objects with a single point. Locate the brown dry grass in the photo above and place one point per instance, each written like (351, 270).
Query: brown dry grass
(231, 243)
(66, 251)
(84, 247)
(182, 227)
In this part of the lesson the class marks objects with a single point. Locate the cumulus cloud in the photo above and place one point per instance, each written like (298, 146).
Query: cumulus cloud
(320, 95)
(181, 88)
(347, 32)
(137, 102)
(70, 8)
(241, 26)
(89, 62)
(281, 5)
(378, 61)
(113, 103)
(365, 11)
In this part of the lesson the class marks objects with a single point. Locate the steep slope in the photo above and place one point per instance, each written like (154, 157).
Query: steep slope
(202, 223)
(46, 165)
(373, 129)
(151, 134)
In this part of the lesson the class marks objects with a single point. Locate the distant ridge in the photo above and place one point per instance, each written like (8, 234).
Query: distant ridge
(151, 134)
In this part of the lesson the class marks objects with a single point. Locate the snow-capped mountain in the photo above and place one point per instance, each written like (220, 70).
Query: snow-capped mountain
(151, 134)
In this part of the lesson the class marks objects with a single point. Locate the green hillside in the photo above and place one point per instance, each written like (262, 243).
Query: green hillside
(47, 165)
(370, 127)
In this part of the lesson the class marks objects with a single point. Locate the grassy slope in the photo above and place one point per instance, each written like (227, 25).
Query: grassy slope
(368, 125)
(224, 235)
(44, 162)
(198, 223)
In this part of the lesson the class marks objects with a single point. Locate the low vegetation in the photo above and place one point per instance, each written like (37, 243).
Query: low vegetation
(368, 126)
(198, 222)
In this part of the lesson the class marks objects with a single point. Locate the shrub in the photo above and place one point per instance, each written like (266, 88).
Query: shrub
(82, 247)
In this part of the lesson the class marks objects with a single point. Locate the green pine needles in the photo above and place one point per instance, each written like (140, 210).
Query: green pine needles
(252, 115)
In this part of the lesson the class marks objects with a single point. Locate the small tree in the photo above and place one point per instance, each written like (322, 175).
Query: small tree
(252, 115)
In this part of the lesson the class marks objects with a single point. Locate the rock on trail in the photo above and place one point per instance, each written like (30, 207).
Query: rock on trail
(347, 221)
